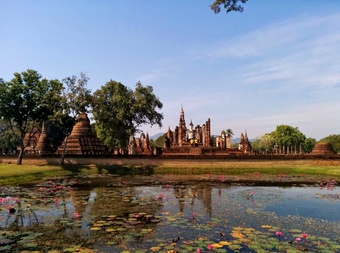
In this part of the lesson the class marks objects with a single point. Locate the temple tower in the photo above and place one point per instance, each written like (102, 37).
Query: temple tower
(207, 133)
(181, 128)
(82, 140)
(43, 145)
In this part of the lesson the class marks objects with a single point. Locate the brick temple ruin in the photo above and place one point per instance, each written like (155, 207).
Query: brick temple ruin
(200, 136)
(82, 141)
(198, 140)
(184, 140)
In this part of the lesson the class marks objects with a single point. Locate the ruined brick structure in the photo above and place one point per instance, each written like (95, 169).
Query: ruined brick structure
(143, 145)
(199, 136)
(31, 140)
(82, 141)
(244, 145)
(323, 148)
(43, 145)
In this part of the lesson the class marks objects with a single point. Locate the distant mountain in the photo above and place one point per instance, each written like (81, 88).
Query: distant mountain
(237, 140)
(155, 136)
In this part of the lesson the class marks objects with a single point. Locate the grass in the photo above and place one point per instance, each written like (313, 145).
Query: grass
(12, 174)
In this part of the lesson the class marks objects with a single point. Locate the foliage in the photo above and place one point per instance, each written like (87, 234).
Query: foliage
(213, 141)
(287, 136)
(159, 142)
(78, 96)
(334, 139)
(283, 136)
(55, 134)
(263, 144)
(309, 144)
(228, 5)
(8, 141)
(26, 101)
(229, 133)
(119, 111)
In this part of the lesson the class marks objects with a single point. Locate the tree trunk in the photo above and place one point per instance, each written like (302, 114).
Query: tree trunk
(64, 152)
(21, 154)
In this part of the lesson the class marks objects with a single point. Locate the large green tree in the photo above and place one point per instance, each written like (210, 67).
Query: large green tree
(264, 144)
(309, 144)
(288, 138)
(8, 141)
(25, 102)
(120, 111)
(228, 5)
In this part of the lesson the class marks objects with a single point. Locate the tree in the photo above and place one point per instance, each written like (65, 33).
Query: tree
(76, 99)
(25, 102)
(229, 5)
(8, 141)
(159, 142)
(309, 144)
(288, 138)
(55, 133)
(119, 111)
(264, 144)
(229, 133)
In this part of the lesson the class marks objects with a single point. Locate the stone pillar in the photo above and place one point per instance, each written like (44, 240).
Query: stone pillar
(208, 133)
(223, 141)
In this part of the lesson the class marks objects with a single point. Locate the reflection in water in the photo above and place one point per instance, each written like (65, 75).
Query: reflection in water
(131, 217)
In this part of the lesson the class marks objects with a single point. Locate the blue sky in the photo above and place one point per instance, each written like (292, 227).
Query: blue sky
(276, 63)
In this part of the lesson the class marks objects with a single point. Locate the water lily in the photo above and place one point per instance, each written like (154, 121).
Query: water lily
(278, 233)
(304, 235)
(199, 251)
(298, 239)
(56, 201)
(75, 215)
(210, 246)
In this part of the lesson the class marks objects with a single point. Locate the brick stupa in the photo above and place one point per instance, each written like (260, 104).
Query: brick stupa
(323, 148)
(43, 145)
(82, 140)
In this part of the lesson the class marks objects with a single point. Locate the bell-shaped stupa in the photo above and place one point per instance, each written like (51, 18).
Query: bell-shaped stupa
(323, 148)
(43, 145)
(82, 140)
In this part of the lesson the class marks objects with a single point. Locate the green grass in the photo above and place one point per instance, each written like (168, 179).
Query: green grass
(12, 174)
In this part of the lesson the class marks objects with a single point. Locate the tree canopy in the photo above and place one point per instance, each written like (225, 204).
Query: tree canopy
(26, 101)
(284, 139)
(228, 5)
(287, 135)
(120, 111)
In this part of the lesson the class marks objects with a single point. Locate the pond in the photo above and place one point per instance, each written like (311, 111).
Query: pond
(141, 214)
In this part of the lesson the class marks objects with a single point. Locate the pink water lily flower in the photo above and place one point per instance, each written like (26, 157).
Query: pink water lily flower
(278, 233)
(199, 251)
(298, 239)
(210, 246)
(304, 235)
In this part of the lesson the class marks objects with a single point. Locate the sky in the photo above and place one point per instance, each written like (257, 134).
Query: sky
(277, 62)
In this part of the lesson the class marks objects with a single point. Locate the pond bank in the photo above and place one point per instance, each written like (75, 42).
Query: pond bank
(273, 172)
